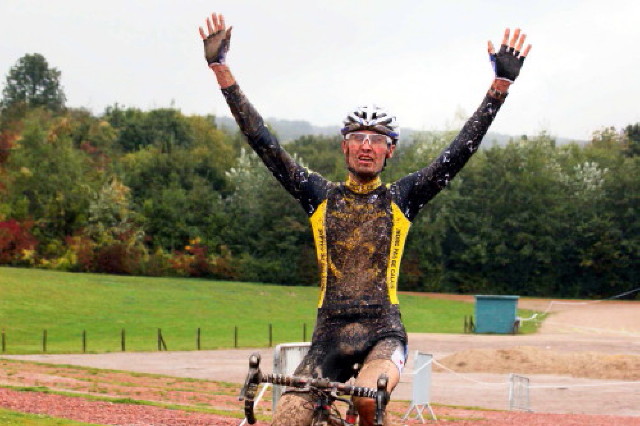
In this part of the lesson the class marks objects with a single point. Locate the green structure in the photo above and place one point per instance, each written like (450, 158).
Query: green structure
(496, 314)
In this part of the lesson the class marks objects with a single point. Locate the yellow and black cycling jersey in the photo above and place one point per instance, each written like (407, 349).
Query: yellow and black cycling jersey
(359, 230)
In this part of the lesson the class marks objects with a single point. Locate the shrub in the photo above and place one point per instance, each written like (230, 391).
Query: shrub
(157, 264)
(196, 261)
(118, 258)
(16, 242)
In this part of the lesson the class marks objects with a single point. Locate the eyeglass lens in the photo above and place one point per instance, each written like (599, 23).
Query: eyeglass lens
(374, 139)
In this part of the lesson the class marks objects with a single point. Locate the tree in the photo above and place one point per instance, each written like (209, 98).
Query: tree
(33, 84)
(509, 221)
(632, 134)
(50, 181)
(164, 128)
(322, 154)
(267, 228)
(6, 143)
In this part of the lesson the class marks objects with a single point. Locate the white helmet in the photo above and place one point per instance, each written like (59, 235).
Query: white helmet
(372, 117)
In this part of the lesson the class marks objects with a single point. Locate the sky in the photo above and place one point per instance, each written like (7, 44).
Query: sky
(425, 61)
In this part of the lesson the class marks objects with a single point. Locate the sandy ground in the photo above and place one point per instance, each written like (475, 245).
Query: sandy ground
(585, 359)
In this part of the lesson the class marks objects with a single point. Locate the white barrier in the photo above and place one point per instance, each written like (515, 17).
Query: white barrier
(286, 358)
(421, 390)
(518, 393)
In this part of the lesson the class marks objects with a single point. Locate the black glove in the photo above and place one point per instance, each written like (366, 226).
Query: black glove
(216, 46)
(506, 63)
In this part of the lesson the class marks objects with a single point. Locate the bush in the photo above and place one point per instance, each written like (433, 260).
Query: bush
(16, 242)
(118, 258)
(158, 264)
(196, 261)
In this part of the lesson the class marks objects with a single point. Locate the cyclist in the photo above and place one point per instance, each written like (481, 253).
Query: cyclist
(359, 226)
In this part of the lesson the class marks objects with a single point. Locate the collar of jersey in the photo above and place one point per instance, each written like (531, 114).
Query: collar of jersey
(363, 188)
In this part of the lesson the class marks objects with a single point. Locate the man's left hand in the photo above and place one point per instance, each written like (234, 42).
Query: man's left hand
(508, 61)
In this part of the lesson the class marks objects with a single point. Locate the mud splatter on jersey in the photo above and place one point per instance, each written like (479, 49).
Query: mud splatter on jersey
(359, 231)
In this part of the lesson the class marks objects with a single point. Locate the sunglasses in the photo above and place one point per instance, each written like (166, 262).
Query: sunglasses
(375, 139)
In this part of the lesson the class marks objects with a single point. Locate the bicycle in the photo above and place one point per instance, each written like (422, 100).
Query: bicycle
(325, 394)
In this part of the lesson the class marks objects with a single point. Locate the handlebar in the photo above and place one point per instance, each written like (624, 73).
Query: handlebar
(321, 384)
(255, 377)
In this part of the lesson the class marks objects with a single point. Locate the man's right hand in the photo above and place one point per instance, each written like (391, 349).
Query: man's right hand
(217, 42)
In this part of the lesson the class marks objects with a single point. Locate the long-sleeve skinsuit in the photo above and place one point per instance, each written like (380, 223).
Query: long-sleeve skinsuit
(359, 233)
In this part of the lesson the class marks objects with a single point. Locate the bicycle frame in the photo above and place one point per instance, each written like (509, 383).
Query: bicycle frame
(326, 392)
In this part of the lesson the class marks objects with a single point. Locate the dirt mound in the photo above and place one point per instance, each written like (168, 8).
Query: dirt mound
(535, 360)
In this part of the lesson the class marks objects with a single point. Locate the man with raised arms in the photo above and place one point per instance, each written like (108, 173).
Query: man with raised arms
(359, 225)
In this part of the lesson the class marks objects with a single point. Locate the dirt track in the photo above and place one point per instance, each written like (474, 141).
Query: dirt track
(600, 333)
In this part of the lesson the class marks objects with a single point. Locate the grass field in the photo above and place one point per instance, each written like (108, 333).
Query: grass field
(67, 304)
(8, 417)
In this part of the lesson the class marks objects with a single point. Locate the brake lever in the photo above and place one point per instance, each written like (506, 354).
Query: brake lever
(248, 391)
(382, 398)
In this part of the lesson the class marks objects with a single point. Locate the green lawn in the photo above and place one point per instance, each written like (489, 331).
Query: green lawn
(65, 304)
(21, 419)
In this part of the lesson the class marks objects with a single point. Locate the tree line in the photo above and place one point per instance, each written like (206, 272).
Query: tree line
(162, 193)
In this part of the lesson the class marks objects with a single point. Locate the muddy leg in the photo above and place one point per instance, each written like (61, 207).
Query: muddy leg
(294, 409)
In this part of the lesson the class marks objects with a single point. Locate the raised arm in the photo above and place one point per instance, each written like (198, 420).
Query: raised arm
(414, 191)
(307, 187)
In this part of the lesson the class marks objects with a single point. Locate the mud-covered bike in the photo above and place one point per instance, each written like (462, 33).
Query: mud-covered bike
(325, 395)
